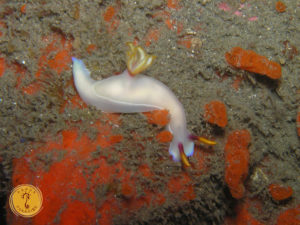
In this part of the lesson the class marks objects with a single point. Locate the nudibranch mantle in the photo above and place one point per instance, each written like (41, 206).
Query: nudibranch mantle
(126, 93)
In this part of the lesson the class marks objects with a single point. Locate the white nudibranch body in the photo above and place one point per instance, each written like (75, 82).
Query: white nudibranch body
(126, 93)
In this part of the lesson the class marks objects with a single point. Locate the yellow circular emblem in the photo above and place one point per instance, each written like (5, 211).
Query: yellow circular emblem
(26, 200)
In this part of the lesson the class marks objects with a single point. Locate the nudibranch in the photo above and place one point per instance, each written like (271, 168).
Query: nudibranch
(128, 93)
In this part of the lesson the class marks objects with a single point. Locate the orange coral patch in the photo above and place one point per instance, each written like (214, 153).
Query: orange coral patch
(2, 66)
(61, 61)
(280, 192)
(158, 117)
(289, 217)
(181, 185)
(215, 113)
(58, 46)
(107, 211)
(164, 136)
(173, 4)
(280, 7)
(252, 62)
(244, 216)
(62, 179)
(69, 138)
(127, 190)
(145, 170)
(78, 213)
(22, 173)
(62, 47)
(237, 160)
(90, 48)
(115, 139)
(64, 182)
(110, 17)
(159, 199)
(23, 9)
(109, 13)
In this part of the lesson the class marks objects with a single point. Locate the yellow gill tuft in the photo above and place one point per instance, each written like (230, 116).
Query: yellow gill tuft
(137, 59)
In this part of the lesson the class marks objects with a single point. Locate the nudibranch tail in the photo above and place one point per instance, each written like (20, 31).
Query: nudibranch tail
(137, 59)
(202, 139)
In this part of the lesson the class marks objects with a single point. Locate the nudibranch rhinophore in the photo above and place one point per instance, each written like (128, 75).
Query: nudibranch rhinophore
(127, 93)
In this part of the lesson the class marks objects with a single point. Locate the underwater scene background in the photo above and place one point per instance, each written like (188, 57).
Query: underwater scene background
(233, 65)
